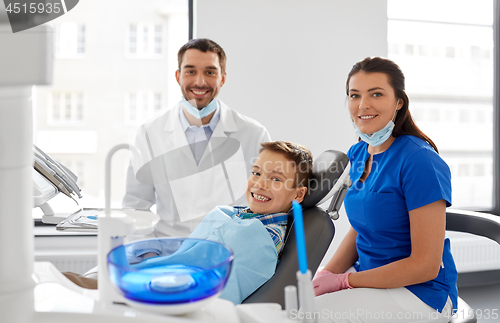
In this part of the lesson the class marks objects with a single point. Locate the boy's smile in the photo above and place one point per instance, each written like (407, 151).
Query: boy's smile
(270, 187)
(261, 198)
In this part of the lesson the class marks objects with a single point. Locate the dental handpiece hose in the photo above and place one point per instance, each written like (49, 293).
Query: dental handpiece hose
(304, 282)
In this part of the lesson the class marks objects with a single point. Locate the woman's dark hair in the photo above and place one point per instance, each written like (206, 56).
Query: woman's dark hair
(404, 124)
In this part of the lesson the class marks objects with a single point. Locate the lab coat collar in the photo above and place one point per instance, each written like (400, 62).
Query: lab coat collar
(226, 118)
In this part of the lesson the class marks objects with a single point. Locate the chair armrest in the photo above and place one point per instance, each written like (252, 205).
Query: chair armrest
(482, 224)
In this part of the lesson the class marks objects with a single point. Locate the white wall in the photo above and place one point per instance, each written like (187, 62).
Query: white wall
(288, 61)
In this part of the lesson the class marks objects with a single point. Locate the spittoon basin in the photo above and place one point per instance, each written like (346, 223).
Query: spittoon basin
(184, 272)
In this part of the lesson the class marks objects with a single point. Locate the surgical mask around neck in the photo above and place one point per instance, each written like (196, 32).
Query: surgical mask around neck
(376, 138)
(195, 112)
(379, 137)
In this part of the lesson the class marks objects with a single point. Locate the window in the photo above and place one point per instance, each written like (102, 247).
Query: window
(69, 40)
(423, 50)
(409, 49)
(479, 170)
(449, 81)
(145, 40)
(66, 107)
(141, 106)
(95, 101)
(463, 170)
(433, 115)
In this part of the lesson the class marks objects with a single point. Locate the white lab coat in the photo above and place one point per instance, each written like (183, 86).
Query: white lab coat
(163, 170)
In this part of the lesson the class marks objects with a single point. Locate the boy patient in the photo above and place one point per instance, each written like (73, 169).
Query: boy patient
(255, 233)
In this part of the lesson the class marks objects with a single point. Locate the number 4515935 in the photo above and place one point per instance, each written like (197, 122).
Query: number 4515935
(33, 8)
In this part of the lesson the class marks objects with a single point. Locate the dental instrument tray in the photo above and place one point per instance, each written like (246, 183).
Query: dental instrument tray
(83, 220)
(186, 273)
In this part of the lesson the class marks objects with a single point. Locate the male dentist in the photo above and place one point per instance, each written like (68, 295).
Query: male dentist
(196, 155)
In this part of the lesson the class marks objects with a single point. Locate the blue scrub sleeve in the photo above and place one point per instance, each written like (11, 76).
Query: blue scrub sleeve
(426, 178)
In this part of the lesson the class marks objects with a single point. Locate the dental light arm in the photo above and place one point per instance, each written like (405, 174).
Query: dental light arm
(340, 190)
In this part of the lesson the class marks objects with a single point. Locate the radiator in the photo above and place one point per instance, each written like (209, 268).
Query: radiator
(75, 260)
(72, 253)
(473, 253)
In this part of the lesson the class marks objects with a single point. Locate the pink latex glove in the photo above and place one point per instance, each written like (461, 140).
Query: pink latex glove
(328, 282)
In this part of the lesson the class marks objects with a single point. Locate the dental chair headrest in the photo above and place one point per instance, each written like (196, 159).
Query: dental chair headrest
(327, 169)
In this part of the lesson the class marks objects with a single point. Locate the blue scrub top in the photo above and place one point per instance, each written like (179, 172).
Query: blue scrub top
(408, 175)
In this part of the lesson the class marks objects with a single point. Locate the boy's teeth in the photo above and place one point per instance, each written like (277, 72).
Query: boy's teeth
(260, 197)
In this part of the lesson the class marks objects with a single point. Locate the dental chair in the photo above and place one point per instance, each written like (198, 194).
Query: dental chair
(481, 224)
(330, 179)
(319, 232)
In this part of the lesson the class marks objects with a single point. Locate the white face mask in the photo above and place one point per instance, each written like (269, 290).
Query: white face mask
(379, 137)
(198, 114)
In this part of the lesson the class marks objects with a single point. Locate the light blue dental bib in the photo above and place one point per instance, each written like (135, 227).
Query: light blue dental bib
(255, 254)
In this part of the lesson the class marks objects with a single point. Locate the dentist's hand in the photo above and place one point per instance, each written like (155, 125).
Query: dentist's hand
(328, 282)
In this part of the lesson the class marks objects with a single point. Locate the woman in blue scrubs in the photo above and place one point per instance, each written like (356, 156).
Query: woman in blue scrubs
(395, 263)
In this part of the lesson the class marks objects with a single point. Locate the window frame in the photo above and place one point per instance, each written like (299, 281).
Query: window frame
(190, 19)
(146, 47)
(77, 98)
(80, 38)
(496, 109)
(145, 103)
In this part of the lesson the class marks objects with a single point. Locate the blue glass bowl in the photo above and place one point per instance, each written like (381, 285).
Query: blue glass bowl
(185, 271)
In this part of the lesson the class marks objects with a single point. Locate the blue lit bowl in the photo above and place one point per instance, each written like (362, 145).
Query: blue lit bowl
(186, 273)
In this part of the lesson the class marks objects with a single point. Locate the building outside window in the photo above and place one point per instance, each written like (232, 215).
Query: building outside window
(449, 81)
(69, 40)
(66, 107)
(141, 106)
(145, 40)
(91, 105)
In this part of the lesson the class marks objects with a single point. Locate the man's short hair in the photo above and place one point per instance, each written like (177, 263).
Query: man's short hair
(298, 154)
(204, 45)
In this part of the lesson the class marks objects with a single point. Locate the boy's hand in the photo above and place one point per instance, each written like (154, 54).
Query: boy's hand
(328, 282)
